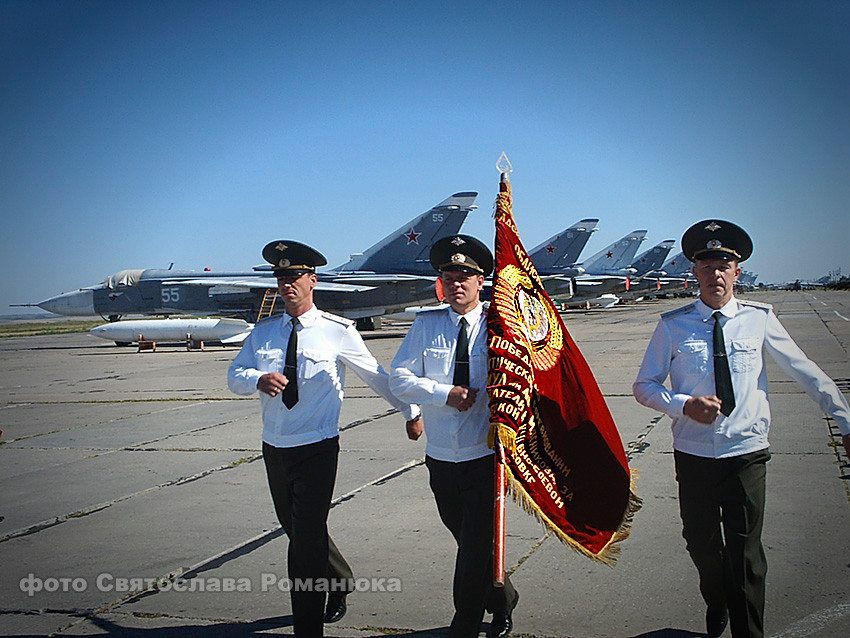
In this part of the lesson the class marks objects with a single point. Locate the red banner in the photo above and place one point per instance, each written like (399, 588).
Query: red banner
(564, 457)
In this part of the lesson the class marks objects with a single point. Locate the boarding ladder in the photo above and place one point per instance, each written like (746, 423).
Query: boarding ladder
(267, 307)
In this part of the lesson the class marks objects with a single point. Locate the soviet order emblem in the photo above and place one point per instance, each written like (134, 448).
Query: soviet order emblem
(534, 315)
(527, 314)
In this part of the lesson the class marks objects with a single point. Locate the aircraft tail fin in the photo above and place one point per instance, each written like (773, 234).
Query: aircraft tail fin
(615, 256)
(562, 250)
(652, 259)
(407, 249)
(677, 265)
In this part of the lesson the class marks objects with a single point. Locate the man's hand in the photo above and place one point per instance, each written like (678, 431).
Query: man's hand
(461, 397)
(703, 409)
(414, 428)
(272, 383)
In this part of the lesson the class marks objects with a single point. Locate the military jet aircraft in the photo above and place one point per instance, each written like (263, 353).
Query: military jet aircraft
(594, 280)
(388, 277)
(559, 254)
(555, 259)
(650, 261)
(606, 271)
(649, 276)
(677, 275)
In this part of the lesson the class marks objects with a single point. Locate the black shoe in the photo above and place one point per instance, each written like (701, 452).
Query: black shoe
(502, 622)
(716, 621)
(336, 608)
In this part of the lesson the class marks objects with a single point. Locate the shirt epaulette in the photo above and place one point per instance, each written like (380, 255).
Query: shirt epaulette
(269, 318)
(337, 319)
(434, 309)
(678, 311)
(755, 304)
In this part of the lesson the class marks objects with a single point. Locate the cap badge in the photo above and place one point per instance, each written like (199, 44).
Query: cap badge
(457, 241)
(458, 258)
(280, 246)
(284, 263)
(713, 243)
(713, 227)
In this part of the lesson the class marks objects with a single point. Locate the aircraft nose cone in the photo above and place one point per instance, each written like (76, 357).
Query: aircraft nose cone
(79, 303)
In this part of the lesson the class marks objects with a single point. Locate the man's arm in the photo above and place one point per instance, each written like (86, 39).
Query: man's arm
(407, 376)
(702, 409)
(649, 388)
(272, 383)
(461, 398)
(242, 374)
(804, 371)
(356, 355)
(414, 428)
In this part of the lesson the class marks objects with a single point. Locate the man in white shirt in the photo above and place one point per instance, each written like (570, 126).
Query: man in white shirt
(295, 359)
(712, 350)
(442, 365)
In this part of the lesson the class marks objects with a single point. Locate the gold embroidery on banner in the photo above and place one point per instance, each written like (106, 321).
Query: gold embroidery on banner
(527, 316)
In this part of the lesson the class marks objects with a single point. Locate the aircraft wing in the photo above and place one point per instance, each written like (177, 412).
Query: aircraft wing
(270, 283)
(333, 286)
(240, 281)
(588, 284)
(365, 278)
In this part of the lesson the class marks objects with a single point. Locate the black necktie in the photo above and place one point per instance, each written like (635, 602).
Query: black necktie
(461, 376)
(722, 376)
(290, 368)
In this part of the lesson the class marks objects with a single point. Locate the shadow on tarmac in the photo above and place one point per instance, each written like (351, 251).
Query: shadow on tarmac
(668, 632)
(259, 627)
(262, 626)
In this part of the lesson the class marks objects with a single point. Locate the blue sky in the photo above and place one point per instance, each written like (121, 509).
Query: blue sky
(136, 134)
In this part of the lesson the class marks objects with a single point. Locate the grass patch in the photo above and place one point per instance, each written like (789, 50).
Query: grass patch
(38, 328)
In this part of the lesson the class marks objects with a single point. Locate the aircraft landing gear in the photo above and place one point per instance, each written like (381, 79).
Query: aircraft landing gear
(365, 324)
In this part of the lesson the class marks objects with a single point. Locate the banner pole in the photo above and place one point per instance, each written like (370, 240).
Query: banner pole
(504, 167)
(499, 516)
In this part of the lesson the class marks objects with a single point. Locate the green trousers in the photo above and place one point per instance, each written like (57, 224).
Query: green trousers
(301, 481)
(721, 502)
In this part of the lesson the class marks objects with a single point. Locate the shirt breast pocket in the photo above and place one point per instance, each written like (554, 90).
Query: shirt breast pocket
(436, 362)
(269, 360)
(694, 355)
(316, 364)
(478, 362)
(744, 354)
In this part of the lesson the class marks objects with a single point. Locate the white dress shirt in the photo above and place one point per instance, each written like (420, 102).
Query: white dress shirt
(681, 347)
(325, 342)
(422, 372)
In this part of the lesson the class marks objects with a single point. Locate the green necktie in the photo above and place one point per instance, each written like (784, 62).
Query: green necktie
(461, 376)
(290, 368)
(722, 375)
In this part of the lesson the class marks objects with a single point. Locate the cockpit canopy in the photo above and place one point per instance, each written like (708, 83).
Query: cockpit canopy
(123, 278)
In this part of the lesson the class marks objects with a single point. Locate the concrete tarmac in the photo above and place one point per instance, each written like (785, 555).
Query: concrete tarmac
(132, 480)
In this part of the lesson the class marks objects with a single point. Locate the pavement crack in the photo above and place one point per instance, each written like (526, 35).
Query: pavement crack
(368, 419)
(841, 459)
(92, 509)
(250, 544)
(640, 444)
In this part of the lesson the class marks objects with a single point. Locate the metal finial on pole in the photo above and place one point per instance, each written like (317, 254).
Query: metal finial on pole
(504, 166)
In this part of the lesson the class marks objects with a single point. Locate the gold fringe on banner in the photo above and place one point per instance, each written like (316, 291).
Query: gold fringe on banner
(609, 553)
